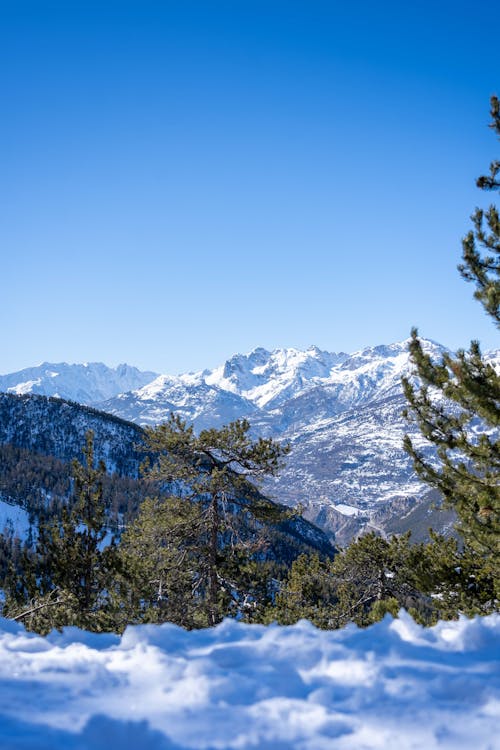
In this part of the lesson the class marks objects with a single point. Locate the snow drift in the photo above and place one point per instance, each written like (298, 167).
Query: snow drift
(393, 685)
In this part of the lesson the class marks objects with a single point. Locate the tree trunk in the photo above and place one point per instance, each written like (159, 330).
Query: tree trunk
(213, 583)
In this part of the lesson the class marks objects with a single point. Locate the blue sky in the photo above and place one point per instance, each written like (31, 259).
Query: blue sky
(184, 180)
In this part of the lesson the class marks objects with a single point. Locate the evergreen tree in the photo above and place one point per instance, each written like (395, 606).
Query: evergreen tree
(455, 579)
(216, 469)
(67, 579)
(308, 592)
(457, 404)
(481, 246)
(158, 564)
(375, 576)
(371, 577)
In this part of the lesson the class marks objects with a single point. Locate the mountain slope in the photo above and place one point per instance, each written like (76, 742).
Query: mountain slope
(40, 435)
(187, 395)
(54, 427)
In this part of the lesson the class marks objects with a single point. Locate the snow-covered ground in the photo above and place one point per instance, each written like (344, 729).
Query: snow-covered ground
(14, 517)
(394, 686)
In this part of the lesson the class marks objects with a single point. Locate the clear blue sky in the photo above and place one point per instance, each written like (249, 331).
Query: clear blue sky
(184, 180)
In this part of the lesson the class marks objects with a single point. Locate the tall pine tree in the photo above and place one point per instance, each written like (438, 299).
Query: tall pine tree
(457, 402)
(216, 469)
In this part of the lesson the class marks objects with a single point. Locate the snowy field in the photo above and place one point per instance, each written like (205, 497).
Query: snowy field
(392, 686)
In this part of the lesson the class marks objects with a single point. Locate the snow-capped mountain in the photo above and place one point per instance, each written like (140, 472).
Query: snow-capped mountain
(188, 395)
(268, 378)
(86, 383)
(244, 386)
(264, 383)
(340, 413)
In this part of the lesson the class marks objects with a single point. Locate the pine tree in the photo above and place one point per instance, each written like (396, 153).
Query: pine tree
(482, 266)
(455, 579)
(457, 404)
(217, 469)
(308, 592)
(371, 577)
(158, 564)
(66, 580)
(375, 576)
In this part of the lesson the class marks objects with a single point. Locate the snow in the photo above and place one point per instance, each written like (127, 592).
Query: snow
(347, 510)
(15, 517)
(22, 388)
(394, 685)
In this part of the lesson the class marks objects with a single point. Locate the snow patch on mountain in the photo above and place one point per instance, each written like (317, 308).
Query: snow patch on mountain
(14, 519)
(346, 510)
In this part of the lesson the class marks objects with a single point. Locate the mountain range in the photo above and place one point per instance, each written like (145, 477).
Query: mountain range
(84, 383)
(341, 414)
